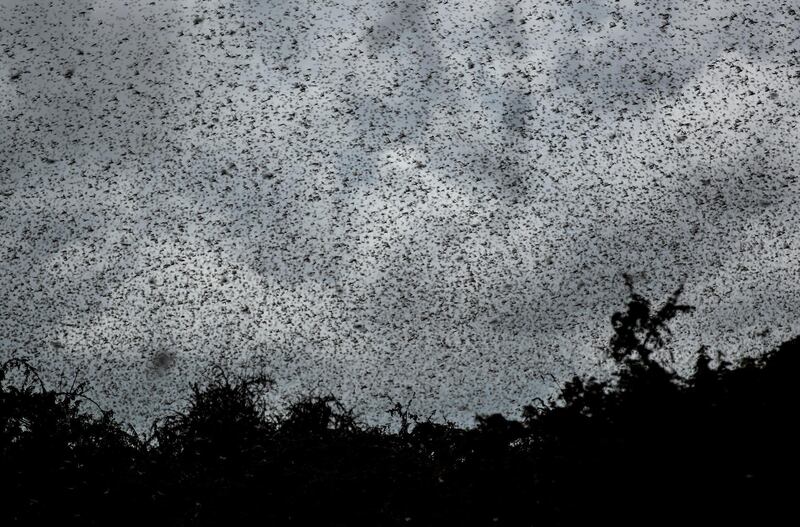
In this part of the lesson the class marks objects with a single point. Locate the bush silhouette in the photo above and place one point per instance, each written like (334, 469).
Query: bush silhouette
(645, 447)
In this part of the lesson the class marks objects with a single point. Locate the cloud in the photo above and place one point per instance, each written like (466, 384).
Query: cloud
(427, 197)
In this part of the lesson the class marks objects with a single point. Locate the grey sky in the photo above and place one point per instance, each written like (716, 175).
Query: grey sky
(390, 197)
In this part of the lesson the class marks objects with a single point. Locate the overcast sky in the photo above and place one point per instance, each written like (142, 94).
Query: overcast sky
(373, 197)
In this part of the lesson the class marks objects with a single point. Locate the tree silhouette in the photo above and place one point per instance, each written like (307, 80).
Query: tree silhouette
(639, 332)
(646, 447)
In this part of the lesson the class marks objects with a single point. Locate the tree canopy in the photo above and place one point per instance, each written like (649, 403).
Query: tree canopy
(646, 447)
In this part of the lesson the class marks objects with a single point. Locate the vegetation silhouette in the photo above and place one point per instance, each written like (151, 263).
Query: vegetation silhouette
(645, 447)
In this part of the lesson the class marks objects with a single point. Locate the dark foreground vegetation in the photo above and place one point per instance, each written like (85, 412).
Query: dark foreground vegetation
(646, 448)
